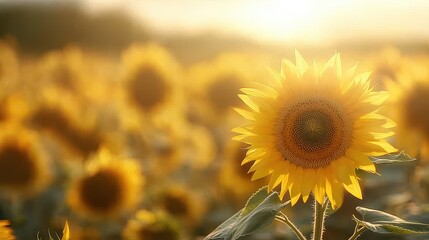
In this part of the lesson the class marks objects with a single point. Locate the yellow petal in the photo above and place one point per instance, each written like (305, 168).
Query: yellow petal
(296, 185)
(361, 160)
(309, 180)
(66, 232)
(353, 187)
(301, 64)
(319, 188)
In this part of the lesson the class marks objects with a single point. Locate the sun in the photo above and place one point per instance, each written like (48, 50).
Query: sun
(312, 128)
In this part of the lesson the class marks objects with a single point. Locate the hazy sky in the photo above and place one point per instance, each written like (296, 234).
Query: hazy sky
(311, 21)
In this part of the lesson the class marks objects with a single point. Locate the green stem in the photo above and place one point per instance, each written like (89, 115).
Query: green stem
(284, 219)
(357, 233)
(319, 219)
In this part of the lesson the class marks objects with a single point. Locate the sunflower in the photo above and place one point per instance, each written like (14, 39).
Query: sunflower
(64, 118)
(6, 232)
(151, 226)
(312, 127)
(8, 64)
(232, 174)
(386, 64)
(182, 204)
(216, 84)
(24, 167)
(64, 69)
(150, 77)
(108, 188)
(409, 105)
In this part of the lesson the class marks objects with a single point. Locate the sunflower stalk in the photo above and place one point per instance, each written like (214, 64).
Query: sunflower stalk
(319, 219)
(285, 220)
(359, 229)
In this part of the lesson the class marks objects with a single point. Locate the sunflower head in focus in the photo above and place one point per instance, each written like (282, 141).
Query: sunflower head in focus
(409, 106)
(108, 188)
(312, 128)
(6, 232)
(151, 226)
(24, 166)
(150, 77)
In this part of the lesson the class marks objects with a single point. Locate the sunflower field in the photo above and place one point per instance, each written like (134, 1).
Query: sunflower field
(111, 130)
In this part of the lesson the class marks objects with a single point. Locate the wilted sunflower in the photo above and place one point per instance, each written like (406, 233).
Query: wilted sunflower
(24, 167)
(151, 226)
(109, 187)
(6, 232)
(409, 106)
(312, 128)
(150, 77)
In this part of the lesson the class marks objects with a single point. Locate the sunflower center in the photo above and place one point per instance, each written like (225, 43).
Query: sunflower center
(17, 168)
(417, 109)
(148, 88)
(223, 93)
(313, 132)
(175, 205)
(102, 191)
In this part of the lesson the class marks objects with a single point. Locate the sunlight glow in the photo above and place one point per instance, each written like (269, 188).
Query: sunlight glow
(307, 21)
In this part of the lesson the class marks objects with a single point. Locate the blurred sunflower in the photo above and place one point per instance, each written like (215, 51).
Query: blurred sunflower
(62, 117)
(312, 128)
(6, 232)
(200, 147)
(24, 167)
(150, 77)
(182, 203)
(233, 177)
(14, 108)
(64, 69)
(409, 106)
(109, 187)
(216, 84)
(151, 226)
(8, 65)
(386, 64)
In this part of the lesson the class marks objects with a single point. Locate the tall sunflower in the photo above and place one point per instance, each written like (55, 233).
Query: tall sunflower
(24, 166)
(409, 106)
(312, 127)
(108, 188)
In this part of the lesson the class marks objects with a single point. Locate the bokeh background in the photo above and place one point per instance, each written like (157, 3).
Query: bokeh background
(116, 115)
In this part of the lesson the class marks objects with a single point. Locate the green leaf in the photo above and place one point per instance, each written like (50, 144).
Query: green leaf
(381, 222)
(260, 210)
(255, 200)
(393, 158)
